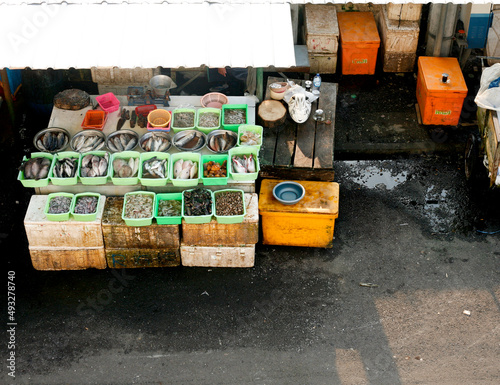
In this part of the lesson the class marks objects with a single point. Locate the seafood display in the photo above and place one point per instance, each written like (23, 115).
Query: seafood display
(36, 168)
(250, 138)
(221, 141)
(228, 203)
(59, 205)
(88, 140)
(234, 116)
(189, 140)
(86, 205)
(155, 141)
(197, 202)
(169, 208)
(65, 167)
(183, 119)
(125, 168)
(213, 169)
(154, 168)
(94, 165)
(142, 121)
(133, 119)
(243, 164)
(122, 141)
(51, 140)
(138, 206)
(124, 116)
(185, 169)
(209, 119)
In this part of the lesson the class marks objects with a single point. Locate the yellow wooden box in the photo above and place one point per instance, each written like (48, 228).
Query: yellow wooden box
(309, 223)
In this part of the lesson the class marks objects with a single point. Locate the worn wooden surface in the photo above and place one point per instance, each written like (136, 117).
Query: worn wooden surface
(210, 256)
(124, 258)
(67, 259)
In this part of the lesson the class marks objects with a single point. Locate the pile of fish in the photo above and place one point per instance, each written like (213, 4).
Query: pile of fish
(139, 206)
(65, 167)
(183, 119)
(155, 142)
(222, 142)
(122, 142)
(86, 205)
(244, 164)
(52, 141)
(189, 140)
(86, 142)
(124, 168)
(228, 203)
(197, 202)
(154, 168)
(59, 205)
(36, 168)
(250, 138)
(185, 169)
(124, 116)
(142, 121)
(94, 165)
(236, 116)
(208, 119)
(213, 169)
(169, 208)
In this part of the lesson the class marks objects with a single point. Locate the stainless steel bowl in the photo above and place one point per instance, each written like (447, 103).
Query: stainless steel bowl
(183, 136)
(86, 133)
(221, 141)
(115, 134)
(52, 146)
(158, 134)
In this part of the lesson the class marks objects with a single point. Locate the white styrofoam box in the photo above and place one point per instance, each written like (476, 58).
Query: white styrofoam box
(321, 28)
(213, 256)
(397, 36)
(407, 11)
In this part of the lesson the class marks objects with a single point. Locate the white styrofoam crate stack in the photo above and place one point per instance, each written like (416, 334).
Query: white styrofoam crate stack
(493, 41)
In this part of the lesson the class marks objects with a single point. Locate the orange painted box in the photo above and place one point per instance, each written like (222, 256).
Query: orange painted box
(359, 42)
(308, 223)
(441, 90)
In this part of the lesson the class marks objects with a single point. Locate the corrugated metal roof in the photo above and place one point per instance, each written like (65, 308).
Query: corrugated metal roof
(148, 35)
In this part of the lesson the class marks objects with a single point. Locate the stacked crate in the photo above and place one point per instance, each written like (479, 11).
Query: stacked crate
(222, 245)
(322, 36)
(398, 26)
(68, 245)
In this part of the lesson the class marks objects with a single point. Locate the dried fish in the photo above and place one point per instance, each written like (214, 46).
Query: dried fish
(86, 205)
(209, 119)
(139, 206)
(183, 119)
(234, 116)
(228, 203)
(36, 168)
(213, 169)
(169, 208)
(120, 124)
(59, 205)
(133, 119)
(197, 202)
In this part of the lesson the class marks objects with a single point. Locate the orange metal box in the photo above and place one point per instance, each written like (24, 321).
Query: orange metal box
(308, 223)
(359, 42)
(440, 102)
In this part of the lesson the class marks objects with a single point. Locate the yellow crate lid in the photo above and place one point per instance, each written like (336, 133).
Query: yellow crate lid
(358, 27)
(432, 69)
(320, 198)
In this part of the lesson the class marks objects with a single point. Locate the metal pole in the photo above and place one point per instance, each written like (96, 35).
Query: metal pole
(440, 32)
(8, 95)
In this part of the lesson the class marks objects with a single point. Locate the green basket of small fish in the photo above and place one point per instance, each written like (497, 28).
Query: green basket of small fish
(214, 169)
(58, 206)
(88, 140)
(234, 115)
(123, 140)
(197, 205)
(185, 169)
(208, 119)
(229, 206)
(250, 135)
(244, 163)
(154, 168)
(138, 208)
(34, 171)
(84, 206)
(94, 168)
(168, 209)
(65, 169)
(183, 119)
(125, 168)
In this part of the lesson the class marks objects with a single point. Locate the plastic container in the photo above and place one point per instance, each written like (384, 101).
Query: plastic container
(145, 109)
(173, 220)
(94, 120)
(240, 151)
(214, 181)
(226, 108)
(108, 102)
(180, 110)
(97, 180)
(158, 129)
(229, 218)
(200, 112)
(58, 217)
(40, 182)
(252, 128)
(193, 156)
(85, 217)
(139, 221)
(316, 85)
(159, 118)
(154, 181)
(65, 181)
(214, 100)
(129, 180)
(197, 218)
(289, 192)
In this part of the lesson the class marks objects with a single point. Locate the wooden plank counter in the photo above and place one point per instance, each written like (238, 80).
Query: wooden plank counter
(301, 151)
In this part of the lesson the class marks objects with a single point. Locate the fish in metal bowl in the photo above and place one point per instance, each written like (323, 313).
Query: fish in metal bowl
(190, 140)
(155, 142)
(123, 140)
(52, 139)
(88, 140)
(221, 141)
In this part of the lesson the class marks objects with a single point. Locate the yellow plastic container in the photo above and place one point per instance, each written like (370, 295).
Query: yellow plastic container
(308, 223)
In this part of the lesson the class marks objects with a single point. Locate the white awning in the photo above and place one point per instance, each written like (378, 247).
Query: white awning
(62, 36)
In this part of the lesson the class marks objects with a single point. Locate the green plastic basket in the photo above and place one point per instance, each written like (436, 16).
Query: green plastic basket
(97, 180)
(58, 217)
(245, 150)
(177, 220)
(230, 218)
(195, 157)
(201, 111)
(154, 181)
(85, 217)
(65, 181)
(177, 129)
(197, 219)
(139, 221)
(124, 181)
(32, 182)
(225, 108)
(214, 181)
(252, 128)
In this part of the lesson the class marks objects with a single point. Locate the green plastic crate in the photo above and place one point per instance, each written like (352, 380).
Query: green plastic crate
(65, 181)
(98, 180)
(32, 182)
(177, 129)
(225, 108)
(229, 218)
(195, 157)
(177, 220)
(197, 219)
(245, 150)
(124, 181)
(85, 217)
(253, 128)
(214, 181)
(58, 217)
(199, 112)
(139, 221)
(154, 181)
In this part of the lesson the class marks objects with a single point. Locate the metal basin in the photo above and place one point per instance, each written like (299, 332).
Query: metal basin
(189, 140)
(53, 146)
(221, 141)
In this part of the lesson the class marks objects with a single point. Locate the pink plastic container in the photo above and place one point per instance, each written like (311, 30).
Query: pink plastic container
(164, 129)
(108, 102)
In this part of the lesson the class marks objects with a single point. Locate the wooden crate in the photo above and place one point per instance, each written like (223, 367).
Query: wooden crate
(43, 233)
(323, 63)
(407, 11)
(219, 234)
(67, 259)
(321, 29)
(117, 235)
(397, 36)
(133, 257)
(210, 256)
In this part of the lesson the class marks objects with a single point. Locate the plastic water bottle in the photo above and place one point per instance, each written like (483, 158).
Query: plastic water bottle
(316, 82)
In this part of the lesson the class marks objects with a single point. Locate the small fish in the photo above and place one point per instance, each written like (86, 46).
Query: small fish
(185, 139)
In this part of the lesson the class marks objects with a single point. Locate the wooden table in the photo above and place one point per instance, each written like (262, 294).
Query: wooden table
(301, 151)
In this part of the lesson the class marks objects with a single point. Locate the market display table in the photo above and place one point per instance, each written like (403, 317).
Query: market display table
(301, 151)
